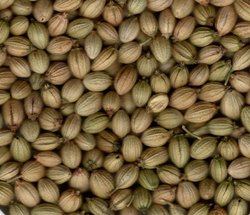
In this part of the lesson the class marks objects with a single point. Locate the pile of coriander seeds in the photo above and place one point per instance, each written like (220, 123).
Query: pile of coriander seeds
(125, 107)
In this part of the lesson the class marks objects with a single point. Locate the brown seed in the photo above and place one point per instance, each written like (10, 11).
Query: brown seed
(101, 178)
(225, 20)
(13, 114)
(239, 168)
(43, 10)
(182, 98)
(129, 29)
(126, 176)
(48, 158)
(187, 194)
(200, 112)
(181, 8)
(131, 148)
(26, 193)
(184, 28)
(71, 154)
(32, 171)
(113, 13)
(58, 73)
(70, 200)
(93, 159)
(80, 179)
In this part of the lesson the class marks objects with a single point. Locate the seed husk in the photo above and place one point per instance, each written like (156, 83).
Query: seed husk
(179, 151)
(131, 148)
(224, 193)
(9, 170)
(85, 141)
(5, 30)
(239, 168)
(179, 76)
(97, 81)
(32, 171)
(59, 174)
(202, 36)
(196, 170)
(89, 103)
(95, 123)
(155, 136)
(48, 190)
(7, 194)
(146, 64)
(126, 176)
(80, 179)
(228, 148)
(92, 8)
(210, 54)
(48, 158)
(237, 206)
(225, 20)
(199, 75)
(184, 28)
(164, 194)
(47, 141)
(182, 8)
(113, 13)
(50, 119)
(200, 112)
(140, 120)
(58, 73)
(218, 169)
(120, 199)
(43, 10)
(244, 116)
(38, 35)
(187, 194)
(244, 145)
(142, 199)
(148, 179)
(184, 52)
(98, 205)
(169, 174)
(160, 82)
(20, 149)
(169, 118)
(239, 81)
(220, 70)
(129, 29)
(70, 200)
(241, 58)
(101, 178)
(205, 15)
(71, 154)
(242, 188)
(242, 30)
(221, 126)
(207, 188)
(64, 5)
(46, 208)
(26, 193)
(153, 157)
(93, 159)
(212, 92)
(19, 67)
(113, 162)
(203, 148)
(161, 49)
(18, 208)
(105, 59)
(71, 126)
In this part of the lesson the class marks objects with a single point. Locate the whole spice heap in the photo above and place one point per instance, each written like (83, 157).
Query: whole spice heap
(125, 107)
